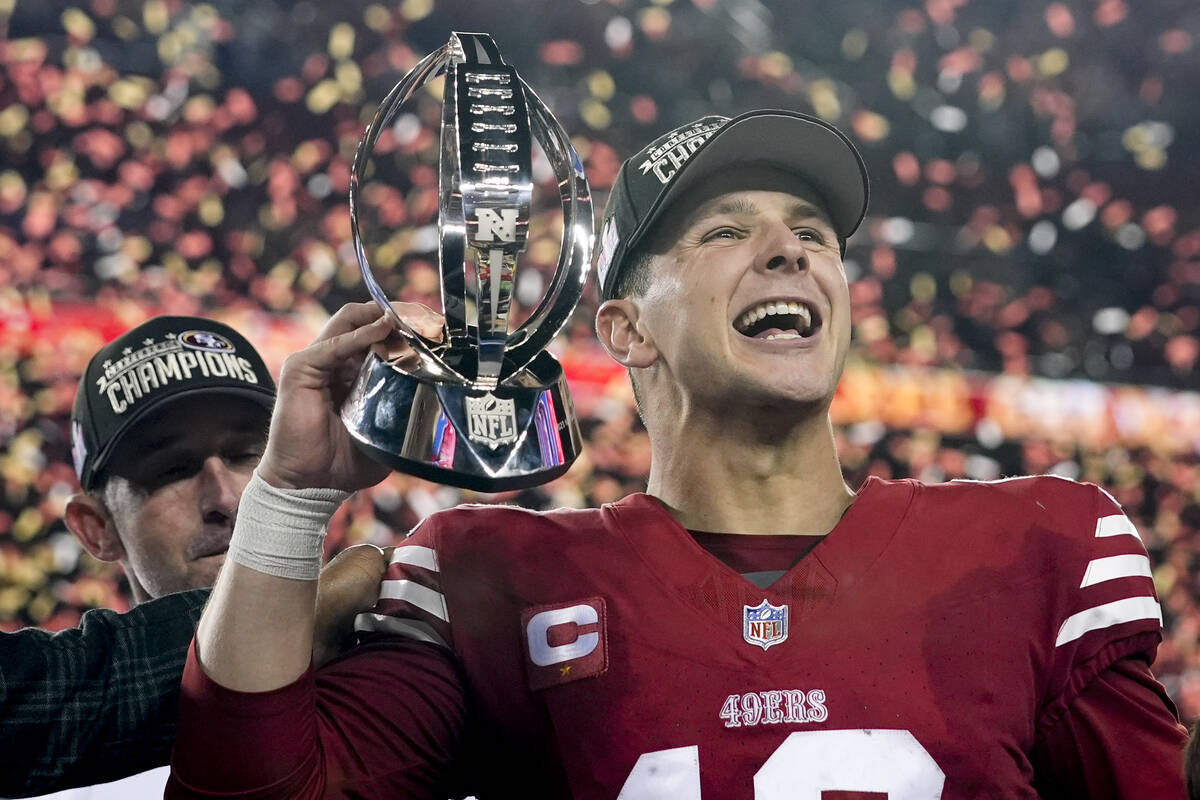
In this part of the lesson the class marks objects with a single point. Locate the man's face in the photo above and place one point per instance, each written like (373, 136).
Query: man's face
(174, 487)
(748, 302)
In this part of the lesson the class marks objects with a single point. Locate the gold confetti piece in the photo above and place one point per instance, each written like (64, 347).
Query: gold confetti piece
(78, 24)
(323, 96)
(1053, 62)
(341, 40)
(775, 64)
(823, 96)
(595, 114)
(378, 18)
(155, 16)
(601, 85)
(13, 119)
(211, 211)
(854, 44)
(349, 79)
(413, 10)
(901, 82)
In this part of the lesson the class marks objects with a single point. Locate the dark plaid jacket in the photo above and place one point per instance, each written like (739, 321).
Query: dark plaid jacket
(93, 703)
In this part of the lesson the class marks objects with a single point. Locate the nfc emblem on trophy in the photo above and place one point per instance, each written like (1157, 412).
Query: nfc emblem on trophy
(496, 224)
(485, 407)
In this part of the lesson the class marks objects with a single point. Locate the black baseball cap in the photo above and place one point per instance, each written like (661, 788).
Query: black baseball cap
(649, 182)
(160, 361)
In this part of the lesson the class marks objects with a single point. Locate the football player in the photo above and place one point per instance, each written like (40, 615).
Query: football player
(751, 627)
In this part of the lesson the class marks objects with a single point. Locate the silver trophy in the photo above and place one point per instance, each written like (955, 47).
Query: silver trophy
(484, 408)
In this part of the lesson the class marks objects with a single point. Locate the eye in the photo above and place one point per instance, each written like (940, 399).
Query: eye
(723, 232)
(247, 457)
(810, 235)
(167, 473)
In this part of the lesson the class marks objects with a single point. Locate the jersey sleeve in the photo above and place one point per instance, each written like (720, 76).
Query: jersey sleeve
(383, 721)
(1107, 608)
(1120, 739)
(412, 602)
(387, 719)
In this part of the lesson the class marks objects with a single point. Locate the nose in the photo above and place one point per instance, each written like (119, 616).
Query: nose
(220, 489)
(781, 249)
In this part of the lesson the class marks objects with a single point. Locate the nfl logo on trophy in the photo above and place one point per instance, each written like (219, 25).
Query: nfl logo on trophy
(491, 420)
(482, 407)
(764, 624)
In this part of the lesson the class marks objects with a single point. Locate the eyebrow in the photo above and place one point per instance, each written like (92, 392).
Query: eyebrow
(182, 439)
(735, 206)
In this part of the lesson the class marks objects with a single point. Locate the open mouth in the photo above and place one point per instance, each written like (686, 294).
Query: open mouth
(778, 319)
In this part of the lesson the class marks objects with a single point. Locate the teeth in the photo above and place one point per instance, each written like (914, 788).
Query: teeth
(780, 307)
(783, 336)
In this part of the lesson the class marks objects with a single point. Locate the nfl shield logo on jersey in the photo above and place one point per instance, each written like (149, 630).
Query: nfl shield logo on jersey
(765, 624)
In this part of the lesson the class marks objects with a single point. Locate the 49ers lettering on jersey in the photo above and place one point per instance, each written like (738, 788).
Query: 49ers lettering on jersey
(564, 642)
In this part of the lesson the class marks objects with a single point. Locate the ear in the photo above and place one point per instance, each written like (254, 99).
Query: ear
(88, 518)
(623, 335)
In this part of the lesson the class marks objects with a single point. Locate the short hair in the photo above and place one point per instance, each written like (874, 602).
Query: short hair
(633, 280)
(633, 277)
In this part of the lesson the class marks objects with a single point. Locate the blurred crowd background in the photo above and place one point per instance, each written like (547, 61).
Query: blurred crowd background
(1026, 287)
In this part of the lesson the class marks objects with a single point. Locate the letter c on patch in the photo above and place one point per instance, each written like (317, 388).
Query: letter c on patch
(542, 653)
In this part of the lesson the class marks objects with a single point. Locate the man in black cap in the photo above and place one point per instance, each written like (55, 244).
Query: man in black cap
(751, 627)
(168, 423)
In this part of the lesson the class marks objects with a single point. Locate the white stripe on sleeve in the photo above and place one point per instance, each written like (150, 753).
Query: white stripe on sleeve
(1110, 568)
(1107, 615)
(417, 556)
(420, 596)
(408, 628)
(1115, 525)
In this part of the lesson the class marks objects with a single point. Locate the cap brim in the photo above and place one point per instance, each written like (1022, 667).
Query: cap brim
(263, 396)
(811, 149)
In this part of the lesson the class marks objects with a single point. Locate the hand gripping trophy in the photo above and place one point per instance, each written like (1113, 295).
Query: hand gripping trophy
(485, 408)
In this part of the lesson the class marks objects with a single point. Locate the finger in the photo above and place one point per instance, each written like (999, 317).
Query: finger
(421, 318)
(328, 354)
(367, 557)
(350, 581)
(349, 317)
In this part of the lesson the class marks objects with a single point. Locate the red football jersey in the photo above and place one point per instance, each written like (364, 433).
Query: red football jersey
(918, 651)
(926, 648)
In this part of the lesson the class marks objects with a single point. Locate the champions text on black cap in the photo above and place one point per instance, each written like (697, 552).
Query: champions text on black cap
(159, 361)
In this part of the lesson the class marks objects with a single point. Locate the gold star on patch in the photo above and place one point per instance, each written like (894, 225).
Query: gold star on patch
(565, 670)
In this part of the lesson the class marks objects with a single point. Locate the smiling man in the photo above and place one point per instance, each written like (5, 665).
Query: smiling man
(750, 627)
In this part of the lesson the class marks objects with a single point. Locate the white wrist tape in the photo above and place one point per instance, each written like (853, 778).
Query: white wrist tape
(282, 531)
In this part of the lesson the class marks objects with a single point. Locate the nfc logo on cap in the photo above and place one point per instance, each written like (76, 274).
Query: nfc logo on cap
(496, 224)
(565, 642)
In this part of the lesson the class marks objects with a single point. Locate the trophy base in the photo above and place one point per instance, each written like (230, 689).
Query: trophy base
(511, 437)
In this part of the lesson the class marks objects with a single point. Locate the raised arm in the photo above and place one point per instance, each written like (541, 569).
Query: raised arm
(256, 633)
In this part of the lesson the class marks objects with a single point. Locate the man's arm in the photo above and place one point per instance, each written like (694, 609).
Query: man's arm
(100, 701)
(248, 693)
(96, 702)
(1118, 740)
(256, 633)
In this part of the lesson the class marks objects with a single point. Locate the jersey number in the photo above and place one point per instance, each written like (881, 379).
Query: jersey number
(808, 763)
